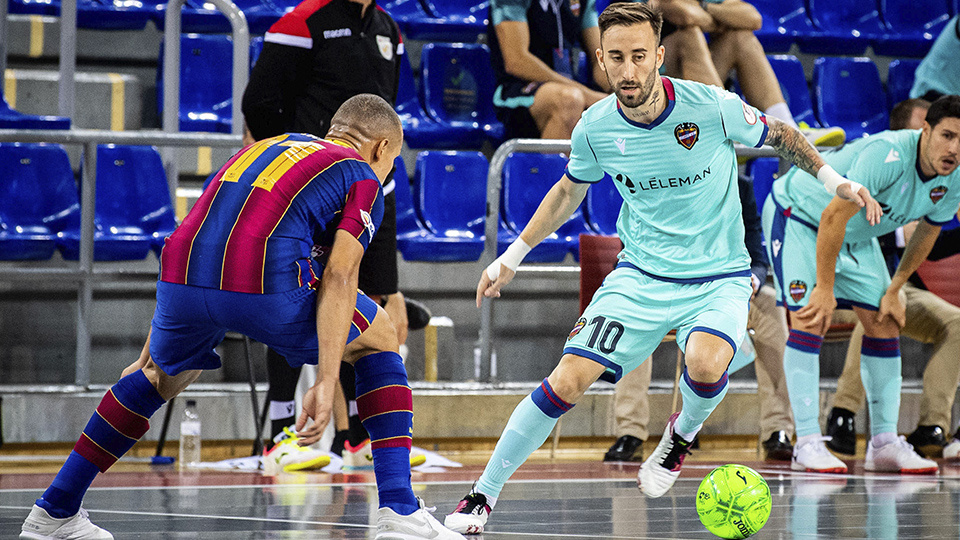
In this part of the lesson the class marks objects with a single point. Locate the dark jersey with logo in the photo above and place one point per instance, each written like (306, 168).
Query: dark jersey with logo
(556, 27)
(316, 57)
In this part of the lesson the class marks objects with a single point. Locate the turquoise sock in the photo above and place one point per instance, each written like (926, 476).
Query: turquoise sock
(880, 370)
(801, 365)
(699, 400)
(528, 428)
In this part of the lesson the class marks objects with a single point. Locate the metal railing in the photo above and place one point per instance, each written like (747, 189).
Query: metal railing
(492, 221)
(83, 273)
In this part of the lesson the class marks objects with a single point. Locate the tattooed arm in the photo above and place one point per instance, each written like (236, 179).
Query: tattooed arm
(791, 145)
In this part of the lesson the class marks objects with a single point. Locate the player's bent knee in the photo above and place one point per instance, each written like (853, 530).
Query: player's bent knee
(380, 336)
(168, 386)
(573, 376)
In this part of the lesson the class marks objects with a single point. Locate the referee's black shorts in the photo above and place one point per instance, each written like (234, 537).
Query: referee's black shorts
(378, 268)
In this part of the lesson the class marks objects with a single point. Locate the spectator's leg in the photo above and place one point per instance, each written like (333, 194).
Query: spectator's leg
(769, 323)
(741, 51)
(281, 392)
(850, 394)
(688, 57)
(556, 109)
(631, 404)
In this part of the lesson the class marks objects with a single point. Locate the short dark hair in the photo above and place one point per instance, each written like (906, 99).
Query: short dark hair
(944, 107)
(629, 13)
(901, 112)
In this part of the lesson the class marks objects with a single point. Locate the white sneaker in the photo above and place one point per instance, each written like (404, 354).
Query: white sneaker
(952, 450)
(899, 457)
(832, 136)
(470, 515)
(417, 526)
(288, 456)
(39, 525)
(359, 457)
(813, 456)
(661, 469)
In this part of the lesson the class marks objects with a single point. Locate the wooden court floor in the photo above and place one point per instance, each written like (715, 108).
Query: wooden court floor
(574, 496)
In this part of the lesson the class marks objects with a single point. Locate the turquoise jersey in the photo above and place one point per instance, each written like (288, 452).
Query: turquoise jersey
(681, 219)
(938, 71)
(886, 164)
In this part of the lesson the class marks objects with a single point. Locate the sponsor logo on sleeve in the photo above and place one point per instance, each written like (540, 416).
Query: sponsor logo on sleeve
(687, 134)
(368, 222)
(748, 113)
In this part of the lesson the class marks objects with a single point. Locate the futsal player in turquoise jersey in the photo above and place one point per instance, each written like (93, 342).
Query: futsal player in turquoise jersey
(825, 254)
(668, 144)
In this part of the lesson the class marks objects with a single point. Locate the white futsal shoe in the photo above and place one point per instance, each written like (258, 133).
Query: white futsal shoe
(420, 525)
(470, 516)
(39, 525)
(899, 457)
(813, 456)
(952, 450)
(661, 469)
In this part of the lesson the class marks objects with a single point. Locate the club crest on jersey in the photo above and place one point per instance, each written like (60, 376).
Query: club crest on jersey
(798, 290)
(748, 113)
(687, 134)
(367, 222)
(577, 327)
(385, 46)
(937, 193)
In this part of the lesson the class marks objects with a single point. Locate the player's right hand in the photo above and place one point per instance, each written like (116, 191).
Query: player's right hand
(491, 288)
(816, 316)
(863, 199)
(317, 406)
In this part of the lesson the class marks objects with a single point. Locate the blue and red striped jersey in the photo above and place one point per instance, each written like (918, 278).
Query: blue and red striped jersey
(255, 226)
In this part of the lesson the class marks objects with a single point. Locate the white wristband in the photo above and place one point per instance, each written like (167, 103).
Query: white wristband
(831, 180)
(511, 258)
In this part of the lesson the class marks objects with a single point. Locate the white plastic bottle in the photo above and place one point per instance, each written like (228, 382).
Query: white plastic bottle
(190, 436)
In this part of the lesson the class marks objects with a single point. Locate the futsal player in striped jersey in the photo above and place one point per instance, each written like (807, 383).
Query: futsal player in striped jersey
(271, 250)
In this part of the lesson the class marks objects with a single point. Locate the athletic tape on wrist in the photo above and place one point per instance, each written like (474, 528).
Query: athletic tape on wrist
(831, 180)
(511, 258)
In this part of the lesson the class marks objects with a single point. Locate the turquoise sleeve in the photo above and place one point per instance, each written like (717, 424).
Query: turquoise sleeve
(742, 123)
(872, 168)
(583, 166)
(508, 10)
(589, 15)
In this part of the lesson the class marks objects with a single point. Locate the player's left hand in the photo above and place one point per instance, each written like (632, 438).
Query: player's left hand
(317, 406)
(893, 305)
(863, 199)
(491, 288)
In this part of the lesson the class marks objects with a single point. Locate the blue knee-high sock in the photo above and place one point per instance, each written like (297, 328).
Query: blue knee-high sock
(528, 428)
(880, 372)
(801, 366)
(699, 400)
(119, 422)
(385, 405)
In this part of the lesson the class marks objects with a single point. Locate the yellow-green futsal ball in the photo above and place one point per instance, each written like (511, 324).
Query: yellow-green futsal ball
(733, 501)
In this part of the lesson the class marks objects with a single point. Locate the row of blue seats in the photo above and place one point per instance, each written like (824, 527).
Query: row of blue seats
(844, 27)
(40, 206)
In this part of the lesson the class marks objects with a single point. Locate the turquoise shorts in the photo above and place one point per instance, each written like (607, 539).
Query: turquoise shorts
(632, 312)
(861, 279)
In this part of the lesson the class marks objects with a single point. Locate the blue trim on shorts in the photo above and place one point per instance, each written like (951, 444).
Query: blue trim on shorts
(843, 303)
(685, 281)
(714, 332)
(617, 369)
(574, 179)
(937, 223)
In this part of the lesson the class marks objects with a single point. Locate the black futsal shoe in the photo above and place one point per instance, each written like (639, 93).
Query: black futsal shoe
(928, 441)
(418, 315)
(842, 431)
(778, 447)
(626, 448)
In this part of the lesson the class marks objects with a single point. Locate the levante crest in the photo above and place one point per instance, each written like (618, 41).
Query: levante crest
(687, 134)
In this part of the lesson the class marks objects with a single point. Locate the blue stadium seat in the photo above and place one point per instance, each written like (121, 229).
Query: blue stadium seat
(603, 206)
(206, 74)
(457, 86)
(526, 180)
(450, 196)
(34, 7)
(256, 47)
(117, 14)
(912, 25)
(414, 241)
(13, 119)
(419, 130)
(784, 22)
(847, 27)
(900, 77)
(463, 20)
(24, 206)
(132, 192)
(793, 83)
(849, 95)
(198, 17)
(764, 172)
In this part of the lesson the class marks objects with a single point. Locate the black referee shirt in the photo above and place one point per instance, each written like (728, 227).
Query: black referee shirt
(316, 57)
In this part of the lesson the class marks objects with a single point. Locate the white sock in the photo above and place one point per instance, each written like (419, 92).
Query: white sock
(882, 439)
(808, 439)
(781, 112)
(491, 500)
(687, 436)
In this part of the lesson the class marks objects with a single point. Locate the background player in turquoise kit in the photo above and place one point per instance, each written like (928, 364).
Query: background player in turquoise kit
(243, 260)
(668, 144)
(913, 175)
